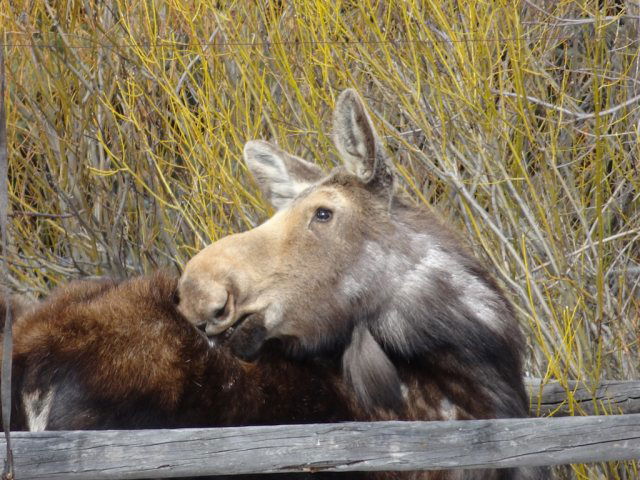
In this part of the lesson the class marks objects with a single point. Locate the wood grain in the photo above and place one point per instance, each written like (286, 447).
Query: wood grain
(335, 447)
(609, 397)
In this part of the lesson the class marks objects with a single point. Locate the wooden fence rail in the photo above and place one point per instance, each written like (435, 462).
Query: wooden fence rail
(339, 447)
(351, 446)
(608, 397)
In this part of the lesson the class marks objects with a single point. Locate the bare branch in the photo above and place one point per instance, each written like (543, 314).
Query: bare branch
(577, 116)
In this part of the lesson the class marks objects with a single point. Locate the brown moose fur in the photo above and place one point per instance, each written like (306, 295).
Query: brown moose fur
(117, 355)
(122, 343)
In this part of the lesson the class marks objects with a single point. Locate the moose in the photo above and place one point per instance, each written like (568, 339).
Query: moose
(350, 270)
(116, 354)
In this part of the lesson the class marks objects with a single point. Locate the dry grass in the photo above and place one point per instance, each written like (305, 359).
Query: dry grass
(516, 120)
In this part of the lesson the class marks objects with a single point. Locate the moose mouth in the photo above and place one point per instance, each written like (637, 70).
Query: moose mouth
(225, 337)
(244, 339)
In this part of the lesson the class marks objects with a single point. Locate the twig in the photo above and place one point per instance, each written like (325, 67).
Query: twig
(587, 246)
(41, 215)
(7, 347)
(570, 22)
(193, 62)
(577, 115)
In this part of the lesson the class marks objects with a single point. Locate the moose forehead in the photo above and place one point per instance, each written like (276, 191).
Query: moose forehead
(340, 186)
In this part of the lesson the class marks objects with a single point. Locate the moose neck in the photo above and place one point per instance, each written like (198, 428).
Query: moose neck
(430, 303)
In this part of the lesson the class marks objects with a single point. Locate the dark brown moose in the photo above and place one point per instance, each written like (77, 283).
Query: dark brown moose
(349, 269)
(117, 355)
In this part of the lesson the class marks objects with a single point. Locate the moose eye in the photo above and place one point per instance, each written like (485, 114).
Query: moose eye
(323, 214)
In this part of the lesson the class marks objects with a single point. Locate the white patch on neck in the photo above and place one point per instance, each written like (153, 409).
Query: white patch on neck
(474, 293)
(376, 268)
(37, 407)
(396, 282)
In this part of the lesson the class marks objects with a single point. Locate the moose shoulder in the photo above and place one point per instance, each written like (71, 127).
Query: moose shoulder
(348, 268)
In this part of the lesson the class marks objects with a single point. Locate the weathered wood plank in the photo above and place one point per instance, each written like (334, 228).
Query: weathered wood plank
(335, 447)
(609, 397)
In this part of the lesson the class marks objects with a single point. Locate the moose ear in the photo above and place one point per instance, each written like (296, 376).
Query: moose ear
(357, 141)
(280, 175)
(370, 373)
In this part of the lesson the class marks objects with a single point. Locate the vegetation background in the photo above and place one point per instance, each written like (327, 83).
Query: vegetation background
(518, 121)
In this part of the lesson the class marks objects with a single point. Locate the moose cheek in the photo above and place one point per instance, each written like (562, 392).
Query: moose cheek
(247, 340)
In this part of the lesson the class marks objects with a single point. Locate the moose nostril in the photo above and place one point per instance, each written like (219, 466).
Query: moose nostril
(219, 307)
(220, 312)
